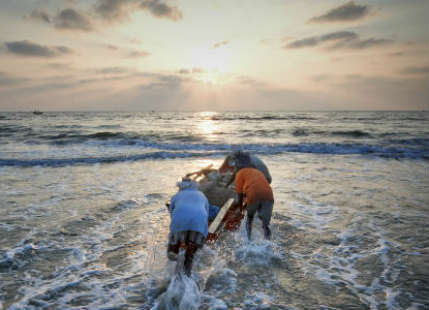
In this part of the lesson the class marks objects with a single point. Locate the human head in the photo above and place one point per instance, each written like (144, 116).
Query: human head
(187, 184)
(228, 164)
(242, 159)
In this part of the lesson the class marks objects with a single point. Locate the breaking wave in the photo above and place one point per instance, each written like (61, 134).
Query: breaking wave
(176, 151)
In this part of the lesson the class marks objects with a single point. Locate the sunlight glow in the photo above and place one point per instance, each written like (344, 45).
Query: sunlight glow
(210, 59)
(207, 126)
(213, 63)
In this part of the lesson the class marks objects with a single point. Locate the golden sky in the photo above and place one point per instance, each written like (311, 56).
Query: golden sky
(197, 55)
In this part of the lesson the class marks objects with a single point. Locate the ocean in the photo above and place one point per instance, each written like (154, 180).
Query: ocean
(83, 222)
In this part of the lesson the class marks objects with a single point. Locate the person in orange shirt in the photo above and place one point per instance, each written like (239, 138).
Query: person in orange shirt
(255, 192)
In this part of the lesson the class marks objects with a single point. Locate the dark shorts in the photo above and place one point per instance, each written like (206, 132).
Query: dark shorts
(264, 209)
(186, 237)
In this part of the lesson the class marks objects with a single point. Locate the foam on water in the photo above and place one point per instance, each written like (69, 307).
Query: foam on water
(213, 303)
(257, 251)
(257, 300)
(182, 294)
(349, 265)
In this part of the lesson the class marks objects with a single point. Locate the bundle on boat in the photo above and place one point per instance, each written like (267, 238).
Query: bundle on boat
(215, 187)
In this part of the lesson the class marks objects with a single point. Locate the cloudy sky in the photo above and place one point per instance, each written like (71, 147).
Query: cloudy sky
(137, 55)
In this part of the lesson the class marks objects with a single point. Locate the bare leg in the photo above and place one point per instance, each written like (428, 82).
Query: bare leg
(264, 212)
(249, 226)
(267, 231)
(172, 251)
(191, 249)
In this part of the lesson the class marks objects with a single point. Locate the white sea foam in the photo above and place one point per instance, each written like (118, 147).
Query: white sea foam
(213, 303)
(258, 300)
(341, 266)
(182, 294)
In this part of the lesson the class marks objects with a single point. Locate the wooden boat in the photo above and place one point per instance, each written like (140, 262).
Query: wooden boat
(219, 192)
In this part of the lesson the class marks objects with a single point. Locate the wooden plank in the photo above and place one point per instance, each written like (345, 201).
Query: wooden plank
(215, 224)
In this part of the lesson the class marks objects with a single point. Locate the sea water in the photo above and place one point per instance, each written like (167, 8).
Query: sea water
(83, 223)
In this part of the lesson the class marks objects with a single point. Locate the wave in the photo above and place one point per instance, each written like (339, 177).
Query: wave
(261, 132)
(173, 151)
(344, 133)
(10, 130)
(299, 132)
(61, 162)
(260, 118)
(413, 119)
(68, 126)
(351, 133)
(109, 126)
(411, 141)
(373, 119)
(112, 138)
(118, 138)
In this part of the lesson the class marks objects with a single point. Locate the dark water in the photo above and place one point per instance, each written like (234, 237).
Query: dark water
(83, 223)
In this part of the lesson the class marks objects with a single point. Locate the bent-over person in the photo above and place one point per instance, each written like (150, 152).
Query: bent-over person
(255, 192)
(189, 210)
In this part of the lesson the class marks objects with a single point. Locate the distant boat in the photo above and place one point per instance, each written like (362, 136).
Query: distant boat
(36, 112)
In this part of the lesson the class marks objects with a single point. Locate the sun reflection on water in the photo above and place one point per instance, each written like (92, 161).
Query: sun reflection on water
(207, 125)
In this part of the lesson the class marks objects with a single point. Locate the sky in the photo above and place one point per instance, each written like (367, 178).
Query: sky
(214, 55)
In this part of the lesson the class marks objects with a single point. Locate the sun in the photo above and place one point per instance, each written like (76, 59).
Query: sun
(210, 58)
(210, 64)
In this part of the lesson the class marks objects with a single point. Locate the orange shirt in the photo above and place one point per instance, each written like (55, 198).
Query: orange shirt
(253, 184)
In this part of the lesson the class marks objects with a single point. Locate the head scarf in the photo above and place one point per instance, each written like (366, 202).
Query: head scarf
(242, 159)
(187, 184)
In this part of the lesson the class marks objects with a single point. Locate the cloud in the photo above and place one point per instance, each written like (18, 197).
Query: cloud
(397, 54)
(37, 14)
(248, 81)
(339, 35)
(66, 19)
(219, 44)
(29, 49)
(342, 36)
(112, 70)
(111, 47)
(368, 43)
(307, 42)
(198, 70)
(59, 66)
(8, 80)
(172, 92)
(320, 77)
(119, 10)
(161, 10)
(70, 19)
(345, 13)
(114, 10)
(159, 92)
(191, 71)
(423, 70)
(386, 93)
(338, 40)
(138, 54)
